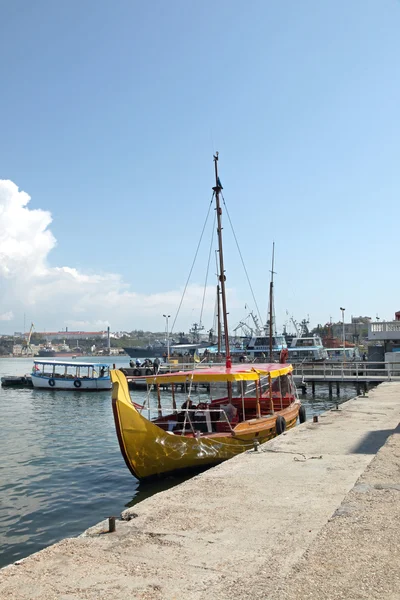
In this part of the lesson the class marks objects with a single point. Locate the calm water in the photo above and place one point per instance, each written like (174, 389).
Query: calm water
(61, 468)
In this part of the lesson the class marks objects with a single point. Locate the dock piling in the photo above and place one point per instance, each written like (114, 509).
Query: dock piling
(111, 524)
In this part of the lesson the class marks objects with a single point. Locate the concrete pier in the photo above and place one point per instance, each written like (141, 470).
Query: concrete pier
(307, 516)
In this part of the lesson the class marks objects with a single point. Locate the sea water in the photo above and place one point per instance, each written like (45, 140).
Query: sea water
(61, 469)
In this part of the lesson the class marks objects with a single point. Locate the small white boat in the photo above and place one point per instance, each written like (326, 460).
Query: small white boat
(307, 349)
(76, 376)
(343, 354)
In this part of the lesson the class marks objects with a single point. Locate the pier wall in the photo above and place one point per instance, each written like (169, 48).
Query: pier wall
(246, 528)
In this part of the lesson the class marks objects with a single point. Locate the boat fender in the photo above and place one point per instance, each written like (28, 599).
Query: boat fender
(280, 424)
(148, 372)
(136, 373)
(52, 383)
(302, 414)
(77, 383)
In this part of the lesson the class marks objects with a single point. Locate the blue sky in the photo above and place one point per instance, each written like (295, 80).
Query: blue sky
(111, 112)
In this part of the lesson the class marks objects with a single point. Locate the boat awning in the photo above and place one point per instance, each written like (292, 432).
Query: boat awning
(212, 374)
(66, 363)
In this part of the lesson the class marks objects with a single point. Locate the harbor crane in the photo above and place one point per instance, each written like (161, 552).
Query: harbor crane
(26, 347)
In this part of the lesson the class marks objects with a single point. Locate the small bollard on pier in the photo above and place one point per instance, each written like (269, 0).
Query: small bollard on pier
(315, 419)
(111, 524)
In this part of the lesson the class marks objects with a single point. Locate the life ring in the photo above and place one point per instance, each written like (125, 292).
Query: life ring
(280, 424)
(51, 382)
(136, 373)
(302, 414)
(78, 383)
(148, 372)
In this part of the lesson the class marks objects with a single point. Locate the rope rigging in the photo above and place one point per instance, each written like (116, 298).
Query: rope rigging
(208, 264)
(241, 258)
(208, 268)
(194, 260)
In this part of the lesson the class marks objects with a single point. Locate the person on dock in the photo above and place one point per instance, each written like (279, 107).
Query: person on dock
(138, 363)
(156, 365)
(131, 364)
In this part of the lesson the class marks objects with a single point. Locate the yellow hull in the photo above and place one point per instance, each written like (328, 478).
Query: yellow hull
(148, 450)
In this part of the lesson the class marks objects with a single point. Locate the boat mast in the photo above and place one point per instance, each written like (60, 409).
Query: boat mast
(271, 303)
(218, 308)
(217, 189)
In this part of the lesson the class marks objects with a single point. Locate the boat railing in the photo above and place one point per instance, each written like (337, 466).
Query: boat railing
(193, 420)
(173, 368)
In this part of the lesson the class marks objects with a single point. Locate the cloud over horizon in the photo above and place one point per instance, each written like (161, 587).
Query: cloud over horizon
(59, 297)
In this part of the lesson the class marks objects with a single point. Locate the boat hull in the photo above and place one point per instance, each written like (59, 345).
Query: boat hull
(148, 450)
(146, 352)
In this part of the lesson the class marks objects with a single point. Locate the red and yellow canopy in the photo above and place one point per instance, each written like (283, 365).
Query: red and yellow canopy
(240, 372)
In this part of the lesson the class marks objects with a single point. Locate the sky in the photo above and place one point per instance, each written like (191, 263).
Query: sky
(110, 115)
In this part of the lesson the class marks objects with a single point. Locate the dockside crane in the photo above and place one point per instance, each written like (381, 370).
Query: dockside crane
(26, 348)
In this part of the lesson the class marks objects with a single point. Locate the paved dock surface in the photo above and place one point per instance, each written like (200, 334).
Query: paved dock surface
(309, 516)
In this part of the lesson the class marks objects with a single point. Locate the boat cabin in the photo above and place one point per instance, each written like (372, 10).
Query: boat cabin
(259, 346)
(253, 396)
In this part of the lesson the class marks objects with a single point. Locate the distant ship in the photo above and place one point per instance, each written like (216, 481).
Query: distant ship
(160, 351)
(146, 351)
(50, 352)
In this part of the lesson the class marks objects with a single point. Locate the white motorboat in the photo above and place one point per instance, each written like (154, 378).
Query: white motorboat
(75, 376)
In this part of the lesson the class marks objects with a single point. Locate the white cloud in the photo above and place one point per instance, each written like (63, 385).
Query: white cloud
(56, 297)
(7, 316)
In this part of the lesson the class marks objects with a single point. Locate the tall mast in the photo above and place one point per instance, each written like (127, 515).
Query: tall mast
(219, 318)
(218, 308)
(271, 302)
(217, 189)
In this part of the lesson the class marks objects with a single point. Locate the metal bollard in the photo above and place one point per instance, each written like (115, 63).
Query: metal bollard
(111, 524)
(256, 443)
(315, 419)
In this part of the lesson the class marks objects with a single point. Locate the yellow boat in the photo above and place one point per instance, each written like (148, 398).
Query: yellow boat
(206, 434)
(215, 430)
